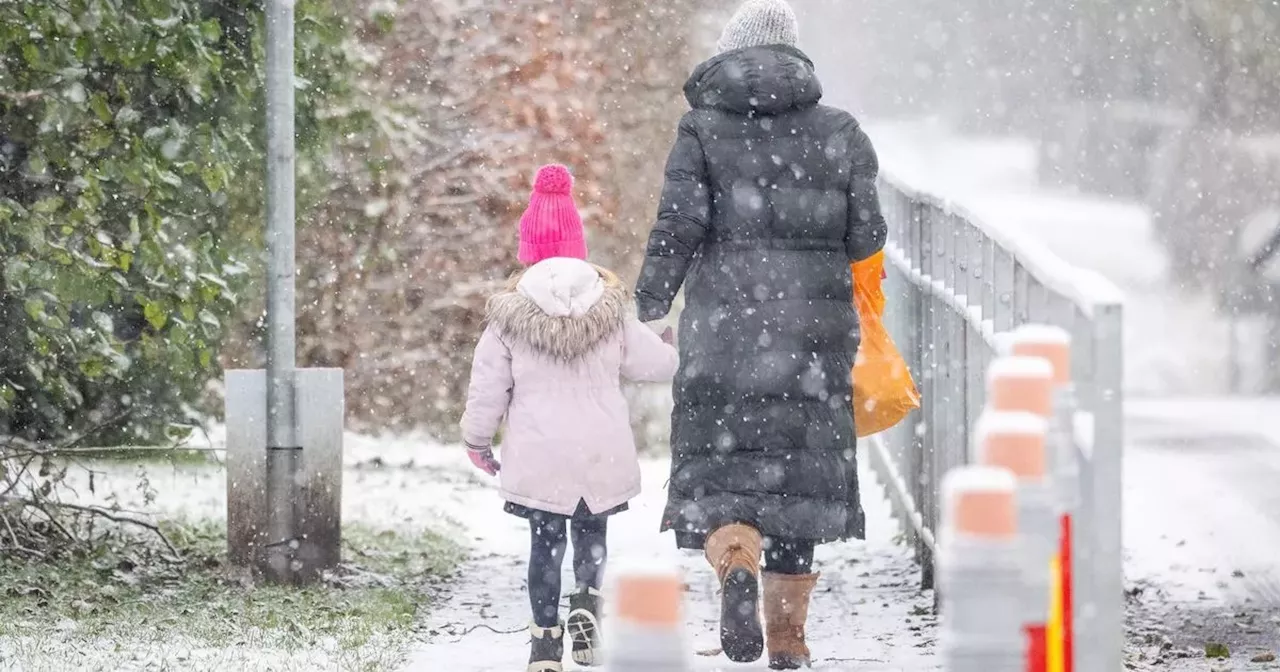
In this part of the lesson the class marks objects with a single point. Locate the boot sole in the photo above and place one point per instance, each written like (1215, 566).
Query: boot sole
(741, 634)
(787, 663)
(584, 634)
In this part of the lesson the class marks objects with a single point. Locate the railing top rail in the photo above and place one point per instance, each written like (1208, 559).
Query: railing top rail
(1086, 288)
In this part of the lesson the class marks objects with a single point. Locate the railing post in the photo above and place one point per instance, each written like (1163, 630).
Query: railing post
(1106, 487)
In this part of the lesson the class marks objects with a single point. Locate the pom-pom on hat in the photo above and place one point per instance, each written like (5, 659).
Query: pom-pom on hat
(551, 225)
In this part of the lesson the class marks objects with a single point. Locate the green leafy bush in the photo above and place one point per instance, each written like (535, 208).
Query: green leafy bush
(131, 173)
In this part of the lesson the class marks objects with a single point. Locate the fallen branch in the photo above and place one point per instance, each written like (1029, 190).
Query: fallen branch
(56, 451)
(94, 511)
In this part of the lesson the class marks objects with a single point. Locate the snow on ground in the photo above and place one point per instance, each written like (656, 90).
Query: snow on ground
(866, 617)
(1202, 522)
(1174, 343)
(1218, 451)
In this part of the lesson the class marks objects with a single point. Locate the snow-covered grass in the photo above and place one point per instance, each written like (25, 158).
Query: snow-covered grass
(117, 612)
(124, 608)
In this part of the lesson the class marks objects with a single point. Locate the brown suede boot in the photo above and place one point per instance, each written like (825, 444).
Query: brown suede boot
(734, 552)
(786, 608)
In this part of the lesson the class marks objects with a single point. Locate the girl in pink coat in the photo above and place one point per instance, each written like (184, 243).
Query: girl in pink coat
(558, 343)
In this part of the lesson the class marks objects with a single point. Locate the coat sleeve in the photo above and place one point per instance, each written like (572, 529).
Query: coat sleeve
(645, 357)
(867, 230)
(684, 216)
(489, 393)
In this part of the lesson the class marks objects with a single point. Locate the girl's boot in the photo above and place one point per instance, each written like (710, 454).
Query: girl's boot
(734, 552)
(546, 649)
(583, 626)
(786, 608)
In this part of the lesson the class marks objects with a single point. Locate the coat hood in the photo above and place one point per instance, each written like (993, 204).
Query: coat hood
(766, 80)
(560, 307)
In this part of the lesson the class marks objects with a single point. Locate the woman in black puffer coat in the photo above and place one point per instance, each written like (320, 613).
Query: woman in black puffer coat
(768, 198)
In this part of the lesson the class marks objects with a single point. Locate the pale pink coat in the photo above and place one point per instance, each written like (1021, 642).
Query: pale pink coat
(551, 362)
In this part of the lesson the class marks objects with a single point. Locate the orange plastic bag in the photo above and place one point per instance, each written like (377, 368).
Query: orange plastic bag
(883, 391)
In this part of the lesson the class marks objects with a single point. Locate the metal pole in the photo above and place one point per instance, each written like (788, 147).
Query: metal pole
(282, 448)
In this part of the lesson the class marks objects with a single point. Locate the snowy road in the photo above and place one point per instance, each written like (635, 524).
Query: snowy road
(1202, 523)
(866, 617)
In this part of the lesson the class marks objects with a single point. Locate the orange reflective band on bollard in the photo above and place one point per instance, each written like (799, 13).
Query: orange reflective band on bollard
(1021, 384)
(650, 599)
(1051, 344)
(1014, 440)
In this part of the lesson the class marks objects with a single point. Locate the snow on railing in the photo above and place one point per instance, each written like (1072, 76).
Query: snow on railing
(957, 286)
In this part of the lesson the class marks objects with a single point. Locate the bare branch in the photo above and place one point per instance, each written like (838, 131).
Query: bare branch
(98, 511)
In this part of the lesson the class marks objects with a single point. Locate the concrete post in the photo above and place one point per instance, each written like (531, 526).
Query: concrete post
(316, 545)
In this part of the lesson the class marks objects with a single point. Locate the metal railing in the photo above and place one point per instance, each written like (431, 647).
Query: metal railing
(954, 285)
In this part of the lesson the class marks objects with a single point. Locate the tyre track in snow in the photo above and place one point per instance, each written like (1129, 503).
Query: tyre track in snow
(868, 613)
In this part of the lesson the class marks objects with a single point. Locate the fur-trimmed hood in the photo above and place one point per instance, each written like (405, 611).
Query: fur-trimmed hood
(560, 307)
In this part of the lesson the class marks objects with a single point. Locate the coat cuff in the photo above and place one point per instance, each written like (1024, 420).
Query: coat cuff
(651, 310)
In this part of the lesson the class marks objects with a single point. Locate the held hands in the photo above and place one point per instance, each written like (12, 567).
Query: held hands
(483, 459)
(663, 330)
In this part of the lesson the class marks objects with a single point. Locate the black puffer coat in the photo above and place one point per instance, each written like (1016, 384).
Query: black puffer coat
(768, 197)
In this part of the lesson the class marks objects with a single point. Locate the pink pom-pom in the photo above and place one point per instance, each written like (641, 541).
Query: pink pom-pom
(553, 179)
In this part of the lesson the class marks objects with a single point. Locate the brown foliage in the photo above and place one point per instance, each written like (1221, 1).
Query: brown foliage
(419, 225)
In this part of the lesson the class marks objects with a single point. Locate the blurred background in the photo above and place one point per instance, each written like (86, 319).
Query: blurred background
(1140, 139)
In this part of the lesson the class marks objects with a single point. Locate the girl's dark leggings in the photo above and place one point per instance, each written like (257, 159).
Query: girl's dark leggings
(549, 539)
(788, 556)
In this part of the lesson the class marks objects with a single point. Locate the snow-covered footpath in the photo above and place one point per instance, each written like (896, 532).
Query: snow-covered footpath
(869, 614)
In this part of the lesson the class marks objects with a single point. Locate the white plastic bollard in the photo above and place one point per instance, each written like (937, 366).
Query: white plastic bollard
(1016, 441)
(645, 631)
(1053, 345)
(979, 573)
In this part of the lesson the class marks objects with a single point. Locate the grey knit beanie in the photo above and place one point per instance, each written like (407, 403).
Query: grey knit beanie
(758, 23)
